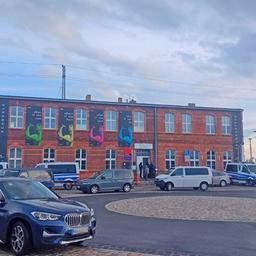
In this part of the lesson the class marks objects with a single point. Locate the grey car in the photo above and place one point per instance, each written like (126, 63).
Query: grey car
(108, 180)
(220, 179)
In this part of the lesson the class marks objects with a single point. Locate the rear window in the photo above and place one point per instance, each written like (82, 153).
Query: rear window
(196, 171)
(62, 168)
(39, 175)
(231, 168)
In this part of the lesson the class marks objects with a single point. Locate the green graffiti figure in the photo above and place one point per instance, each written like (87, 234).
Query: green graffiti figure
(35, 137)
(67, 137)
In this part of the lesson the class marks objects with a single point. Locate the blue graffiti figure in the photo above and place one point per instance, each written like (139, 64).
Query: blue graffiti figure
(126, 138)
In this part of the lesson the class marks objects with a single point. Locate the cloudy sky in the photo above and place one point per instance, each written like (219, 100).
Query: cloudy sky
(156, 51)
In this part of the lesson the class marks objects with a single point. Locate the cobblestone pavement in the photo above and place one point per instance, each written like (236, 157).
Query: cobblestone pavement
(80, 251)
(188, 208)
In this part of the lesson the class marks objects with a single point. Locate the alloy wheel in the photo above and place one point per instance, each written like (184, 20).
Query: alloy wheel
(17, 239)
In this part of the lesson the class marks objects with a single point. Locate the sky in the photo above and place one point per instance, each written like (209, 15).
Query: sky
(156, 51)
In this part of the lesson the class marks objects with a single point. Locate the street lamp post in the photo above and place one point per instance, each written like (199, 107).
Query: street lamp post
(250, 145)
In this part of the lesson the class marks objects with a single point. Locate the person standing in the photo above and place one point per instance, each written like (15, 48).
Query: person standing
(145, 171)
(141, 170)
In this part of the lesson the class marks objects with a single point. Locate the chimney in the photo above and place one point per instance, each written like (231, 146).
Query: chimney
(120, 99)
(88, 97)
(132, 101)
(192, 105)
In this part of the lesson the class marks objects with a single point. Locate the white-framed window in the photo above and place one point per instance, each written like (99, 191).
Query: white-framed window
(227, 158)
(81, 157)
(169, 122)
(110, 120)
(49, 155)
(16, 117)
(110, 159)
(186, 123)
(170, 159)
(81, 119)
(15, 158)
(210, 124)
(226, 125)
(211, 159)
(50, 118)
(194, 158)
(139, 118)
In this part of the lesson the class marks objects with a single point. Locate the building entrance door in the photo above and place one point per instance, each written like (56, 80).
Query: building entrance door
(142, 159)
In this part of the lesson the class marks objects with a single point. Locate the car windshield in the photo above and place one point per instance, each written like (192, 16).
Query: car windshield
(96, 175)
(39, 174)
(26, 190)
(252, 168)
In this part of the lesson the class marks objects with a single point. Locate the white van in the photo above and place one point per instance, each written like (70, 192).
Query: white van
(185, 177)
(65, 174)
(3, 165)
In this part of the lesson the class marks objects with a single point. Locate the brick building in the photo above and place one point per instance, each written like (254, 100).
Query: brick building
(100, 134)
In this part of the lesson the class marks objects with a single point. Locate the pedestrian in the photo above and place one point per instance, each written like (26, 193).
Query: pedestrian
(151, 170)
(145, 171)
(141, 170)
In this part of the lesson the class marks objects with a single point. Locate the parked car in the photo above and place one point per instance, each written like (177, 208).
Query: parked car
(220, 179)
(185, 177)
(31, 215)
(65, 174)
(3, 165)
(108, 180)
(38, 174)
(240, 173)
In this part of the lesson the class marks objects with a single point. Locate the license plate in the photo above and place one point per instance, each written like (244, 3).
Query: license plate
(80, 230)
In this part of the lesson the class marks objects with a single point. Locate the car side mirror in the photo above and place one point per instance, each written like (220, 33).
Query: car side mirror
(103, 177)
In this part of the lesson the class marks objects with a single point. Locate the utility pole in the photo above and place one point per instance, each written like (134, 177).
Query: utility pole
(63, 94)
(250, 144)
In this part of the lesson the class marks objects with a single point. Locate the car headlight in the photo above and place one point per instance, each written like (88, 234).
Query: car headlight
(45, 216)
(91, 212)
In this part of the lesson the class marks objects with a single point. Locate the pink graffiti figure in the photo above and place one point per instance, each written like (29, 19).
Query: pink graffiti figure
(99, 137)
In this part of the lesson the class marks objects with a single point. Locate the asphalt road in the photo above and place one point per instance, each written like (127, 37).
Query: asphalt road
(171, 237)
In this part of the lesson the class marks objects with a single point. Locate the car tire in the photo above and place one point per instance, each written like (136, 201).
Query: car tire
(127, 188)
(204, 186)
(94, 189)
(196, 188)
(169, 186)
(250, 182)
(19, 239)
(68, 185)
(223, 183)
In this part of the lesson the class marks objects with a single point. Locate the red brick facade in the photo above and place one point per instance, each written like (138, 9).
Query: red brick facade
(154, 133)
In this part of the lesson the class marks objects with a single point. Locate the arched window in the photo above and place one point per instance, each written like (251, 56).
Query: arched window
(170, 159)
(226, 125)
(15, 158)
(227, 158)
(211, 159)
(169, 122)
(49, 155)
(194, 158)
(210, 124)
(186, 123)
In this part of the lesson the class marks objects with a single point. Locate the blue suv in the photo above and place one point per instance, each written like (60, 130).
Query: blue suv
(31, 215)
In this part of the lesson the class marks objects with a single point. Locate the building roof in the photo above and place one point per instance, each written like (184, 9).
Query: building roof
(191, 106)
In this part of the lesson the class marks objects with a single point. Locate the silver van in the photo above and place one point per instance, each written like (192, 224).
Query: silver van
(108, 180)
